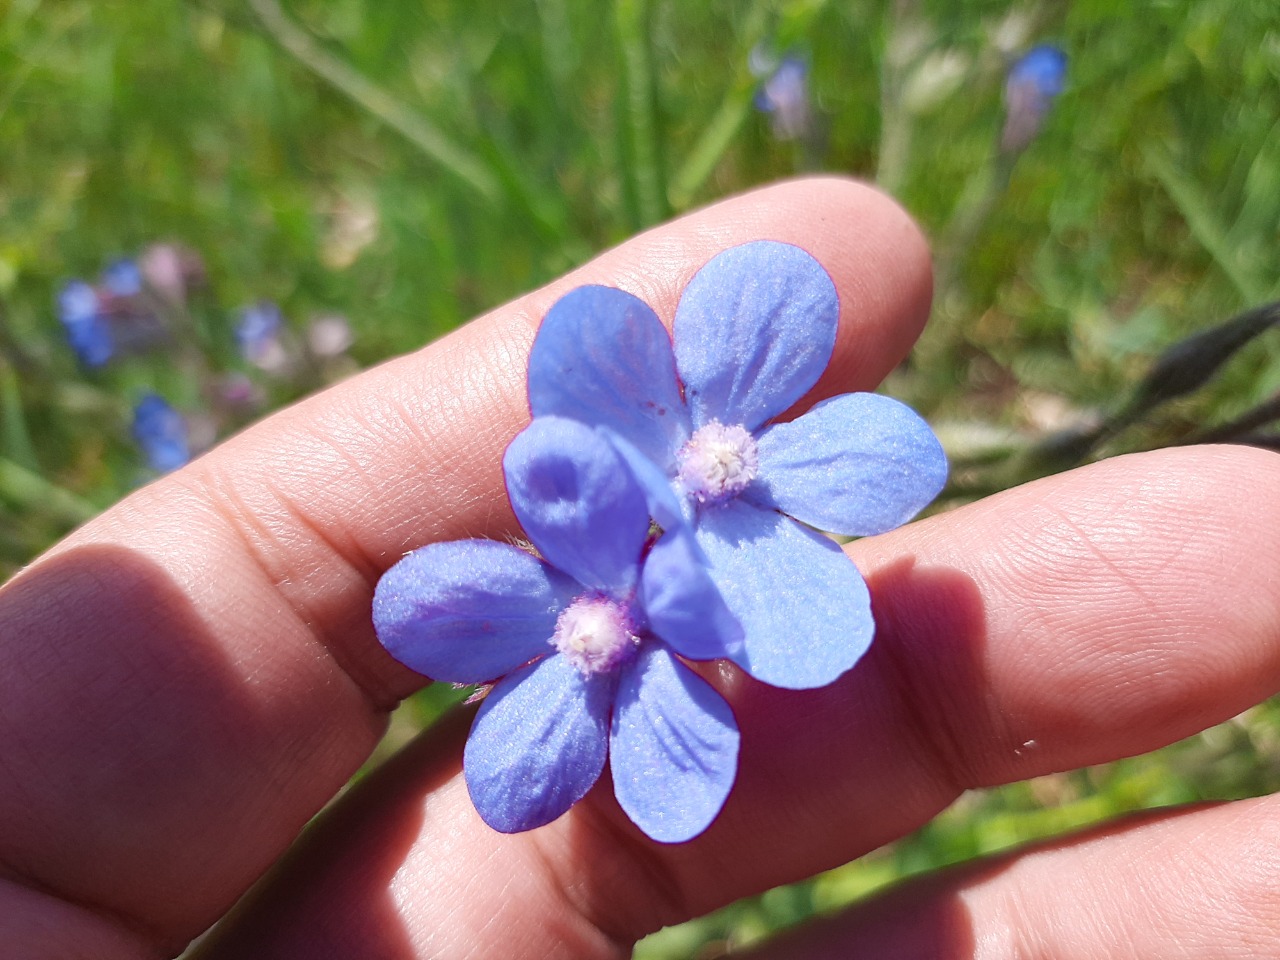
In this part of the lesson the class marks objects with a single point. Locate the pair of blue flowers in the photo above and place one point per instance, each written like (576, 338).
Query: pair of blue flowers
(673, 518)
(96, 319)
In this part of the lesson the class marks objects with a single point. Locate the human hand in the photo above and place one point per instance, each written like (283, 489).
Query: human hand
(188, 679)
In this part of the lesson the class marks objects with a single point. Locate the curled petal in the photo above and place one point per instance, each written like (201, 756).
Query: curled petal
(667, 509)
(673, 749)
(856, 465)
(754, 330)
(603, 357)
(682, 602)
(578, 502)
(538, 744)
(470, 610)
(804, 607)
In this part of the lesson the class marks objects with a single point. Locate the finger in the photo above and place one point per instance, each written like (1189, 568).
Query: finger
(1085, 617)
(185, 681)
(1186, 883)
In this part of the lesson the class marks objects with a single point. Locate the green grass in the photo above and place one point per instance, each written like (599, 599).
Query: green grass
(409, 165)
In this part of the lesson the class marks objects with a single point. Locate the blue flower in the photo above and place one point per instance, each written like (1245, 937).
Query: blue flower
(122, 278)
(257, 333)
(785, 97)
(753, 331)
(161, 432)
(582, 641)
(1034, 81)
(85, 323)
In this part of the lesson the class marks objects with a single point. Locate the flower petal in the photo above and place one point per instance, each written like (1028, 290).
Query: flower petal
(469, 611)
(538, 744)
(578, 502)
(856, 465)
(667, 509)
(754, 330)
(673, 748)
(683, 605)
(603, 357)
(802, 603)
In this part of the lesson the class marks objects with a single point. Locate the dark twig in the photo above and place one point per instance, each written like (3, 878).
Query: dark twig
(1181, 369)
(1244, 425)
(1191, 363)
(1266, 441)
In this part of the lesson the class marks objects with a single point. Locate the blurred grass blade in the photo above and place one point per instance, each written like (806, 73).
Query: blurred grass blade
(31, 492)
(719, 132)
(715, 140)
(18, 446)
(418, 131)
(11, 351)
(644, 166)
(982, 193)
(544, 209)
(60, 24)
(1202, 221)
(902, 26)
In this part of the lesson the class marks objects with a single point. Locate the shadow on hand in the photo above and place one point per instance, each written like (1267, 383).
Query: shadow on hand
(331, 895)
(154, 769)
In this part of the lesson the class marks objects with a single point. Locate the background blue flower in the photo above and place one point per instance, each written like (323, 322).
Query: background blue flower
(122, 278)
(582, 643)
(258, 330)
(161, 432)
(1034, 81)
(86, 327)
(784, 95)
(753, 331)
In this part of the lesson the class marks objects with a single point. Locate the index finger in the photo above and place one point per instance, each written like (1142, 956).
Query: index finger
(190, 677)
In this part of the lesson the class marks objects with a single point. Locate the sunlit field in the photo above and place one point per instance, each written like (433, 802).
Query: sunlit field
(211, 209)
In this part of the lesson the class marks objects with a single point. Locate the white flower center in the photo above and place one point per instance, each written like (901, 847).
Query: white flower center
(717, 462)
(595, 633)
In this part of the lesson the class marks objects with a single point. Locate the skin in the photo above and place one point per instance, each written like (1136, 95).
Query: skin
(187, 680)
